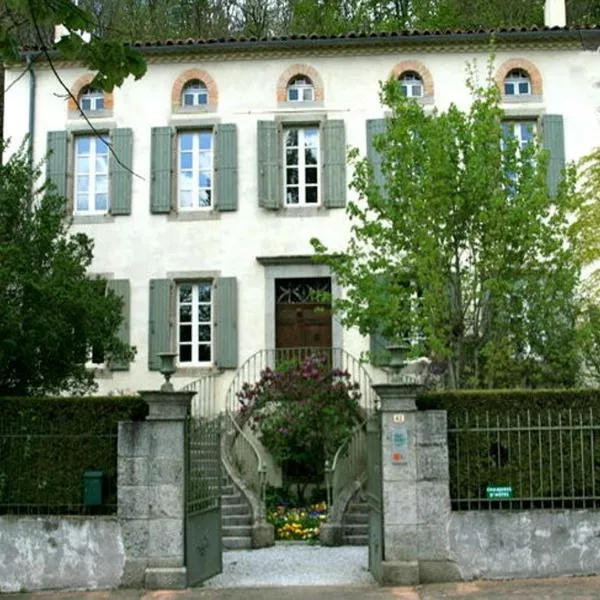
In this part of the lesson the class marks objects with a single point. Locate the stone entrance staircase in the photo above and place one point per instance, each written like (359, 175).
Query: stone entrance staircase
(236, 517)
(355, 522)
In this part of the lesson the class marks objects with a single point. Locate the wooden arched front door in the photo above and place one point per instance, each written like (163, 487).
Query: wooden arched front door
(300, 321)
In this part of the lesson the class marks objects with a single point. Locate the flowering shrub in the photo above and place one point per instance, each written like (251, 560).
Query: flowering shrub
(304, 410)
(298, 523)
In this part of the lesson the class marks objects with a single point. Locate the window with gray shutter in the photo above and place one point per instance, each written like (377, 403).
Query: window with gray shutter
(375, 127)
(161, 169)
(226, 323)
(159, 321)
(334, 164)
(122, 289)
(56, 165)
(269, 153)
(554, 142)
(120, 167)
(225, 170)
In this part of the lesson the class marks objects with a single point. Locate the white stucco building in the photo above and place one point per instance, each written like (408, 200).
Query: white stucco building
(237, 150)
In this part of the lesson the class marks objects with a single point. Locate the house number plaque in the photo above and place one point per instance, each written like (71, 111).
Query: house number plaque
(399, 445)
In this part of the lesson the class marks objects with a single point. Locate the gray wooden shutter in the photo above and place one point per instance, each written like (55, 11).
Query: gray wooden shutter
(226, 323)
(159, 326)
(334, 166)
(120, 171)
(374, 128)
(161, 170)
(270, 191)
(56, 166)
(226, 175)
(121, 288)
(554, 142)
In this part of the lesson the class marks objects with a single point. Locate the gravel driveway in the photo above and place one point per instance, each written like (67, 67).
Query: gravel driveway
(294, 565)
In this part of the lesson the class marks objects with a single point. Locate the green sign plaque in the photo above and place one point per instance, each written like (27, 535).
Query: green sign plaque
(499, 492)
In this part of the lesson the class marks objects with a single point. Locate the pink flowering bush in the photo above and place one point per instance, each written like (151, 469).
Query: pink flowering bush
(303, 411)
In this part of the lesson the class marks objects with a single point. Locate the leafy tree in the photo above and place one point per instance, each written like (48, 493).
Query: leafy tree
(52, 314)
(303, 410)
(461, 248)
(32, 22)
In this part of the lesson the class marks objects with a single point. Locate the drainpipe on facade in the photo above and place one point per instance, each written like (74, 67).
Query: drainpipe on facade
(32, 87)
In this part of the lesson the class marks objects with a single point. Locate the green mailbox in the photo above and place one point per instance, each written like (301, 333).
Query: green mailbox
(92, 488)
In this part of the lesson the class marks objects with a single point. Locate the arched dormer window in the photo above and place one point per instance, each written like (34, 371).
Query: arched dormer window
(91, 99)
(411, 84)
(300, 89)
(517, 83)
(195, 93)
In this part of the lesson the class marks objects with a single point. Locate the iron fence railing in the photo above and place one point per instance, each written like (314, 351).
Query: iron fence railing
(526, 460)
(204, 402)
(57, 469)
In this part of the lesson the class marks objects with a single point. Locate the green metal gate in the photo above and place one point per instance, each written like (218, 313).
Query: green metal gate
(203, 551)
(374, 496)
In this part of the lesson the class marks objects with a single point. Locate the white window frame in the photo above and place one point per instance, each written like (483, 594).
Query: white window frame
(196, 169)
(303, 87)
(92, 175)
(195, 322)
(198, 91)
(94, 98)
(516, 126)
(410, 82)
(301, 166)
(516, 78)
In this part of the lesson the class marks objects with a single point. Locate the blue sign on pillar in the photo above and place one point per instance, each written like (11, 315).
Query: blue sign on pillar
(399, 445)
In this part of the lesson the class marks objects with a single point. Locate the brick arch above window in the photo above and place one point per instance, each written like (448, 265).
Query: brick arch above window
(414, 66)
(524, 65)
(296, 71)
(188, 76)
(79, 86)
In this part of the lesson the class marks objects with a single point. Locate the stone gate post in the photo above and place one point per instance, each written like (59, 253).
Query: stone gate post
(151, 492)
(415, 492)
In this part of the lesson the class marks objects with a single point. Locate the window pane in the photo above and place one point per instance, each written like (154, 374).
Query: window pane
(291, 137)
(204, 333)
(102, 164)
(291, 196)
(102, 184)
(83, 164)
(205, 140)
(186, 141)
(82, 202)
(202, 98)
(83, 184)
(203, 353)
(85, 103)
(185, 353)
(204, 313)
(292, 94)
(524, 88)
(509, 89)
(204, 198)
(311, 175)
(185, 313)
(291, 157)
(185, 160)
(205, 160)
(311, 195)
(185, 333)
(101, 147)
(185, 180)
(185, 293)
(83, 145)
(101, 201)
(417, 91)
(310, 156)
(204, 290)
(307, 94)
(100, 103)
(404, 90)
(311, 137)
(205, 180)
(188, 99)
(291, 176)
(185, 198)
